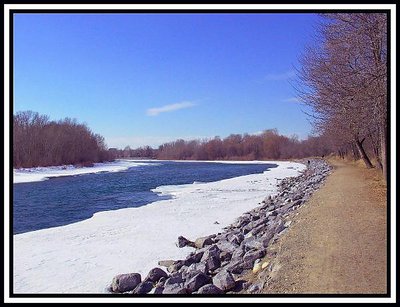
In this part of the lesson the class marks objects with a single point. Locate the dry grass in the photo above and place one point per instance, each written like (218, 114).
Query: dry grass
(337, 241)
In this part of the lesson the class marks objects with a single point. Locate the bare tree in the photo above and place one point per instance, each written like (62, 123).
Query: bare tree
(343, 78)
(40, 142)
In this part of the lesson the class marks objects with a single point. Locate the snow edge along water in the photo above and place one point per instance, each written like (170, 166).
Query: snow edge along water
(84, 256)
(36, 174)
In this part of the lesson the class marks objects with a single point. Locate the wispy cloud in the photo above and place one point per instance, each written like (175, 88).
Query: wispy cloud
(170, 108)
(280, 76)
(291, 99)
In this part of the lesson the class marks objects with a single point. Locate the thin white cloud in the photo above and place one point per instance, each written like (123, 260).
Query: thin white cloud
(280, 76)
(170, 108)
(291, 99)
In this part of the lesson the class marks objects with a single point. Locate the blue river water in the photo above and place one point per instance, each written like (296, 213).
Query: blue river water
(64, 200)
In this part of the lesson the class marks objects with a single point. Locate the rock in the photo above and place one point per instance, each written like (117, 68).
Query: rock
(166, 263)
(204, 241)
(201, 267)
(264, 264)
(125, 282)
(254, 288)
(155, 274)
(252, 243)
(287, 224)
(158, 290)
(197, 282)
(213, 250)
(212, 263)
(224, 280)
(210, 289)
(225, 256)
(253, 255)
(211, 258)
(279, 227)
(224, 245)
(174, 284)
(257, 266)
(188, 274)
(236, 238)
(143, 288)
(176, 266)
(248, 227)
(238, 253)
(256, 231)
(182, 242)
(175, 289)
(247, 265)
(235, 267)
(174, 279)
(267, 236)
(161, 282)
(194, 258)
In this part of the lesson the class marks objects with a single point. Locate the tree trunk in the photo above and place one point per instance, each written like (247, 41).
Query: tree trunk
(383, 141)
(356, 154)
(363, 154)
(376, 147)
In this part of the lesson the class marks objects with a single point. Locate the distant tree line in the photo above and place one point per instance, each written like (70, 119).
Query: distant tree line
(344, 80)
(37, 141)
(141, 152)
(267, 145)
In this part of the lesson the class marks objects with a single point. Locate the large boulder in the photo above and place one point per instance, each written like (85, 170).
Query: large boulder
(155, 274)
(228, 246)
(235, 266)
(194, 258)
(211, 258)
(238, 253)
(224, 280)
(212, 263)
(252, 243)
(175, 285)
(174, 279)
(225, 256)
(204, 241)
(211, 251)
(209, 289)
(176, 266)
(143, 288)
(201, 267)
(174, 289)
(197, 281)
(125, 282)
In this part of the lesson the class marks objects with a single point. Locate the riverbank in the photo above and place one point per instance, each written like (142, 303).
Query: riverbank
(337, 242)
(219, 261)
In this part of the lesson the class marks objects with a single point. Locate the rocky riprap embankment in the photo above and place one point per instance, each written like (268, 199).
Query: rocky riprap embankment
(219, 261)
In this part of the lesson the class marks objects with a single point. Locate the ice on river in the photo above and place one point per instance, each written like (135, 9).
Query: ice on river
(43, 173)
(84, 257)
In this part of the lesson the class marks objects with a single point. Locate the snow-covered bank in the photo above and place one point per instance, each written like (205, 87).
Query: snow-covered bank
(43, 173)
(85, 256)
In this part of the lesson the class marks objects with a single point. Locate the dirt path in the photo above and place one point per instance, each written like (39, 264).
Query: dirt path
(337, 241)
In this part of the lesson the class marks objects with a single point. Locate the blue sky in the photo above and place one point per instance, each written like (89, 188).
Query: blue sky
(142, 79)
